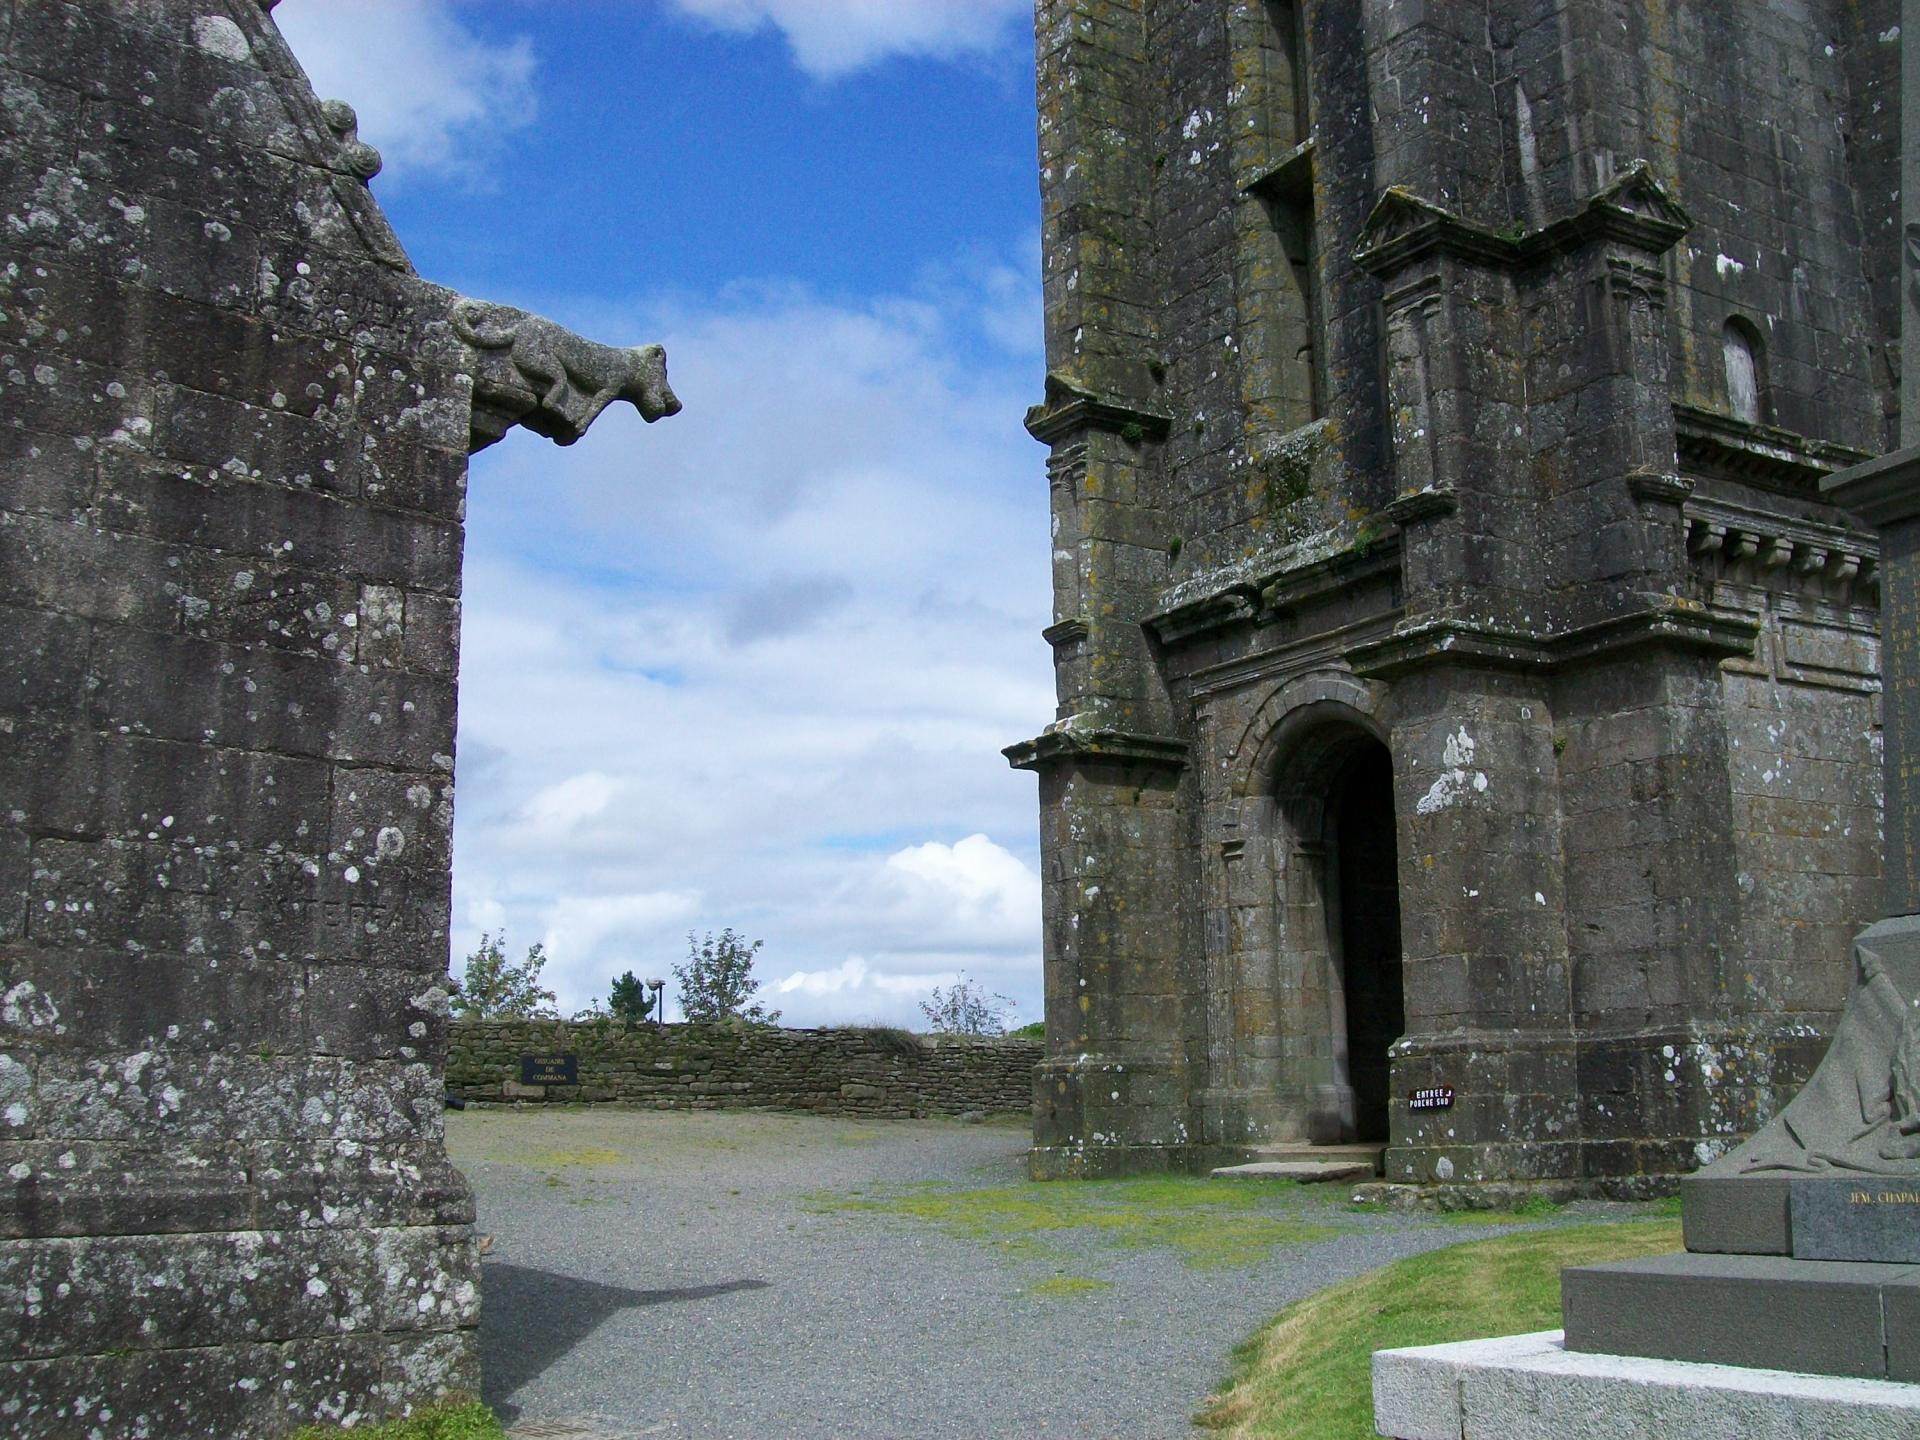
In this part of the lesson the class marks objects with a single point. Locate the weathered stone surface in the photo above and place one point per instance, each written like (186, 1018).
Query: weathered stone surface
(1529, 1387)
(738, 1066)
(237, 425)
(1411, 453)
(1307, 1172)
(1763, 1311)
(1852, 1124)
(1863, 1218)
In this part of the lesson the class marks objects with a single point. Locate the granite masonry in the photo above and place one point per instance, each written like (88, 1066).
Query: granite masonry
(236, 429)
(858, 1070)
(1468, 704)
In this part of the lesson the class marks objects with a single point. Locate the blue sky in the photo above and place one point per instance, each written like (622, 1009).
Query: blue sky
(751, 666)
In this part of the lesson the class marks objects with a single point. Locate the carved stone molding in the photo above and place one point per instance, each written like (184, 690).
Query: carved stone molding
(1716, 445)
(1419, 506)
(1733, 544)
(1071, 409)
(357, 158)
(1253, 592)
(1663, 621)
(1075, 741)
(1071, 631)
(1659, 487)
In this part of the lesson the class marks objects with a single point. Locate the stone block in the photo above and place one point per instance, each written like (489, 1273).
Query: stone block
(1529, 1387)
(1818, 1317)
(1737, 1215)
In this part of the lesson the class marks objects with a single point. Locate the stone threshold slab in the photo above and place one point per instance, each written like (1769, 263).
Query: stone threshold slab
(1530, 1387)
(1307, 1172)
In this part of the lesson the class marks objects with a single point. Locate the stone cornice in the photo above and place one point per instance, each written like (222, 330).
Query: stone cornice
(1882, 491)
(1743, 545)
(1709, 443)
(1659, 487)
(1071, 408)
(1634, 210)
(1666, 621)
(1073, 741)
(1421, 505)
(1290, 175)
(1253, 592)
(1070, 631)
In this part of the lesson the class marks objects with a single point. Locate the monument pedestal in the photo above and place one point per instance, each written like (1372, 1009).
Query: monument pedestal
(1819, 1317)
(1527, 1387)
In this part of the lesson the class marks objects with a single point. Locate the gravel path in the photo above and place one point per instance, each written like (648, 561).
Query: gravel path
(698, 1276)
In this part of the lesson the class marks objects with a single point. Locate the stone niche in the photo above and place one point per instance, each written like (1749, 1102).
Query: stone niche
(235, 438)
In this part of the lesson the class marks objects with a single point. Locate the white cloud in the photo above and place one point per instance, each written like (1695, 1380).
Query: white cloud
(972, 889)
(432, 96)
(856, 977)
(761, 657)
(586, 935)
(559, 809)
(831, 38)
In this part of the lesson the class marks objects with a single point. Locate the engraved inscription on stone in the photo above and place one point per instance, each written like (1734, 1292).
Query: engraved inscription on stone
(1857, 1218)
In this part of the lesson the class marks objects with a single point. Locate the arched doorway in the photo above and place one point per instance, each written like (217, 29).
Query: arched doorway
(1363, 935)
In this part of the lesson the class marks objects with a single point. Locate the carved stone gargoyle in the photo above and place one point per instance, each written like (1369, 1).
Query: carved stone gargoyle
(531, 371)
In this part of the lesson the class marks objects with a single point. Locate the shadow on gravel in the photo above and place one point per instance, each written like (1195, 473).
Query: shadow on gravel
(531, 1318)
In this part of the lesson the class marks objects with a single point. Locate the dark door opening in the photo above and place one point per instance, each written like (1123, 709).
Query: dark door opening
(1369, 931)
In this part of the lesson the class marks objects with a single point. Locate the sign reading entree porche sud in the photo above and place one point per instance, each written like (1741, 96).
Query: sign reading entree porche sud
(1431, 1097)
(549, 1069)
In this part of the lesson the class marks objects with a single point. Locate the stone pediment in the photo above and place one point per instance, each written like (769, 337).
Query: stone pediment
(1634, 209)
(1404, 226)
(1638, 196)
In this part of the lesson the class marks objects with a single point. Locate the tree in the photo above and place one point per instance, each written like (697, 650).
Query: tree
(717, 980)
(495, 988)
(630, 1001)
(969, 1008)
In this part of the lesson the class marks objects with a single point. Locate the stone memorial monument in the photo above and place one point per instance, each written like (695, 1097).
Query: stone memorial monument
(234, 432)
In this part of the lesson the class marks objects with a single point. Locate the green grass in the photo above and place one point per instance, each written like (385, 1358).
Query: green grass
(1208, 1223)
(455, 1420)
(1066, 1287)
(585, 1155)
(1308, 1374)
(1534, 1207)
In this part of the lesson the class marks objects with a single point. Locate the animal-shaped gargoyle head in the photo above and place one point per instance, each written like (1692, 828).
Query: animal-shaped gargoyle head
(528, 370)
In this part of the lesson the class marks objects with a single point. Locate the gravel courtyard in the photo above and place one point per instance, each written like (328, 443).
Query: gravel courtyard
(716, 1275)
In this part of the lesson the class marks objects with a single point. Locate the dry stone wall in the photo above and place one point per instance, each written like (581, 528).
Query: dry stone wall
(715, 1067)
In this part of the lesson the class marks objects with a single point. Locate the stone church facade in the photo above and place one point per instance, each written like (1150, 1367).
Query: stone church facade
(1463, 687)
